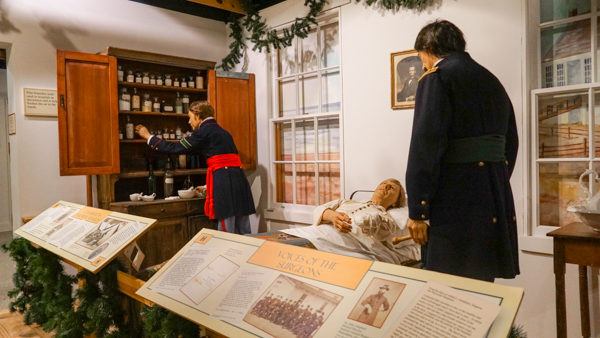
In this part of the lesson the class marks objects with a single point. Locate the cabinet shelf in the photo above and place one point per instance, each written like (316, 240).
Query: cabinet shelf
(163, 114)
(163, 88)
(160, 173)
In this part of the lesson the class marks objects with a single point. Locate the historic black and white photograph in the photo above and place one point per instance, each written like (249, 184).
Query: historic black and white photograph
(406, 68)
(377, 302)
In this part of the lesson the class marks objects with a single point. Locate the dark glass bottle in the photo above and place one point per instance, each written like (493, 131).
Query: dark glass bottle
(151, 181)
(168, 179)
(187, 183)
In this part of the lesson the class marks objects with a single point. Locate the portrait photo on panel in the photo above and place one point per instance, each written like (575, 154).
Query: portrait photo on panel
(406, 68)
(292, 308)
(377, 302)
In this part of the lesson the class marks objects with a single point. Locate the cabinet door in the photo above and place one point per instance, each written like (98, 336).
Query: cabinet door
(232, 96)
(88, 121)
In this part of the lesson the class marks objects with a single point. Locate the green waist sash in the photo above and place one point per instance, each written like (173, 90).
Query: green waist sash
(487, 148)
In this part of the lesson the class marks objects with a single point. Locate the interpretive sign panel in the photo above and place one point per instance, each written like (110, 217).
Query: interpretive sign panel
(40, 102)
(241, 286)
(86, 236)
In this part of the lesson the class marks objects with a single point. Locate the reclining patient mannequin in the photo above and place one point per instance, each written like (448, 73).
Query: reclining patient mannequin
(367, 228)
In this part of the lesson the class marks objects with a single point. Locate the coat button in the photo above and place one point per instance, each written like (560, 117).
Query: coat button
(423, 216)
(506, 162)
(514, 218)
(494, 220)
(423, 202)
(481, 164)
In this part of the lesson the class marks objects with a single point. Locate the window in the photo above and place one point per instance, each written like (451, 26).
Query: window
(306, 128)
(565, 119)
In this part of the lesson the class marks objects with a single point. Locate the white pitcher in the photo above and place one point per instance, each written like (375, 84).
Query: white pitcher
(593, 203)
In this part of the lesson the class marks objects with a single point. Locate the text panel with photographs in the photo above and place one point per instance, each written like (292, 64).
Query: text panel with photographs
(241, 286)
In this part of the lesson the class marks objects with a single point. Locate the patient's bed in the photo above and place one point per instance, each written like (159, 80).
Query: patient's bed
(410, 250)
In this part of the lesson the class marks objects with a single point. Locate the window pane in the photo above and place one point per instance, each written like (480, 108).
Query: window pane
(286, 59)
(305, 184)
(329, 138)
(563, 126)
(329, 182)
(331, 92)
(309, 94)
(330, 45)
(309, 52)
(558, 185)
(559, 9)
(565, 48)
(305, 140)
(283, 141)
(284, 184)
(287, 97)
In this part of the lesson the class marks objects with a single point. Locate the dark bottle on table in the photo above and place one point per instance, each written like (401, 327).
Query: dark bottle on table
(151, 181)
(187, 183)
(168, 179)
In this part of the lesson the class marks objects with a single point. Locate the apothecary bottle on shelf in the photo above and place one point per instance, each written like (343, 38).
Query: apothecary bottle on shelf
(178, 105)
(152, 79)
(135, 100)
(159, 80)
(168, 81)
(125, 100)
(151, 181)
(176, 82)
(138, 77)
(168, 183)
(129, 129)
(147, 104)
(185, 102)
(156, 105)
(146, 78)
(199, 80)
(130, 77)
(191, 83)
(120, 73)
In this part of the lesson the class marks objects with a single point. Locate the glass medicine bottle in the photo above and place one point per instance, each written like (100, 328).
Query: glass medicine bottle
(147, 104)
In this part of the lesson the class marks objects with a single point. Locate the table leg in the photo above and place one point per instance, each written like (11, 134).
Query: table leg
(584, 302)
(559, 276)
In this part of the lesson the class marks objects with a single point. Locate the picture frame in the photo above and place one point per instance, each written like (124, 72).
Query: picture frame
(405, 69)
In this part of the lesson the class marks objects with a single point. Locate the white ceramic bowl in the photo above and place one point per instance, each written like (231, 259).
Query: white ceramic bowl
(148, 198)
(590, 217)
(186, 193)
(135, 197)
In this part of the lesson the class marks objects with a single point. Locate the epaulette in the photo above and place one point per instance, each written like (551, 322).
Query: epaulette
(429, 71)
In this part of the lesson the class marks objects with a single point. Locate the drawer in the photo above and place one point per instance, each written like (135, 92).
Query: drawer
(159, 211)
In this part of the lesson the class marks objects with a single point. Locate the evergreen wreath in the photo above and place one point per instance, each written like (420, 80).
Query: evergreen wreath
(265, 38)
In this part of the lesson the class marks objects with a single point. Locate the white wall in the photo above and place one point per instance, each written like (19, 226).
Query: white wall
(376, 138)
(34, 29)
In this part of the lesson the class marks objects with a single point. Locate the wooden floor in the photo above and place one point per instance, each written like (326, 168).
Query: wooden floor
(12, 326)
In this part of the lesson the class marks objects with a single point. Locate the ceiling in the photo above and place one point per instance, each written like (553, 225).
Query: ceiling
(220, 10)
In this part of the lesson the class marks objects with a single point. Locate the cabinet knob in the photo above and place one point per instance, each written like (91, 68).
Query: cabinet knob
(62, 101)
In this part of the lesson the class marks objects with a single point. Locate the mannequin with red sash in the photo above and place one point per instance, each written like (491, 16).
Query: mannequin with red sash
(228, 196)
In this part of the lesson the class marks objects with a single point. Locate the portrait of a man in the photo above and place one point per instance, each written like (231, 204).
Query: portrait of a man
(376, 302)
(406, 68)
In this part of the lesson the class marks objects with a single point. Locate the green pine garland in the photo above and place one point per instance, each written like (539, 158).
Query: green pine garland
(161, 323)
(268, 39)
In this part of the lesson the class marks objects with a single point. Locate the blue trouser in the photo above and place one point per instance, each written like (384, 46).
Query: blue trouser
(235, 224)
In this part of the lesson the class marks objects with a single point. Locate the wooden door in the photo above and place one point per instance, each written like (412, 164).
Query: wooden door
(232, 96)
(88, 121)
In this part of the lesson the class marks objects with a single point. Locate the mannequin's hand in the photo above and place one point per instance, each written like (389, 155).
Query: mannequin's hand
(418, 231)
(142, 131)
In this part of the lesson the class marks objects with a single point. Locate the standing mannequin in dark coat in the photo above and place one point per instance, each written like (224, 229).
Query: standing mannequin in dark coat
(230, 199)
(462, 154)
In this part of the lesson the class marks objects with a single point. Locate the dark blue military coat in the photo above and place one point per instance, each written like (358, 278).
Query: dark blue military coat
(232, 195)
(473, 231)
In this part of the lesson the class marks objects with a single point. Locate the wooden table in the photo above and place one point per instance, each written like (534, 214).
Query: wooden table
(575, 243)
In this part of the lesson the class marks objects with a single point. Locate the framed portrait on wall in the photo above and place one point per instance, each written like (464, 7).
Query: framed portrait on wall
(406, 68)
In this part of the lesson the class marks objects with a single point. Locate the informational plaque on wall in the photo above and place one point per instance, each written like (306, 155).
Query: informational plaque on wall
(40, 102)
(86, 236)
(245, 287)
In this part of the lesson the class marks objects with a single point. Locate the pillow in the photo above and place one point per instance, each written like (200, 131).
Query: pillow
(400, 216)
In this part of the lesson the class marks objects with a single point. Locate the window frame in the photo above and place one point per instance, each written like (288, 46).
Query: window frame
(533, 236)
(293, 212)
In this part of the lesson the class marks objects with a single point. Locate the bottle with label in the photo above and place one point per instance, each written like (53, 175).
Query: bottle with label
(152, 79)
(159, 80)
(183, 83)
(130, 77)
(176, 82)
(129, 129)
(138, 77)
(156, 105)
(185, 102)
(135, 100)
(146, 78)
(178, 105)
(147, 104)
(199, 80)
(167, 107)
(151, 180)
(168, 179)
(159, 134)
(178, 133)
(165, 134)
(120, 134)
(120, 73)
(168, 81)
(125, 100)
(172, 135)
(191, 82)
(188, 181)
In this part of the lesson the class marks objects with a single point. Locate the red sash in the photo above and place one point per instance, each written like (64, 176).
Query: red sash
(217, 162)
